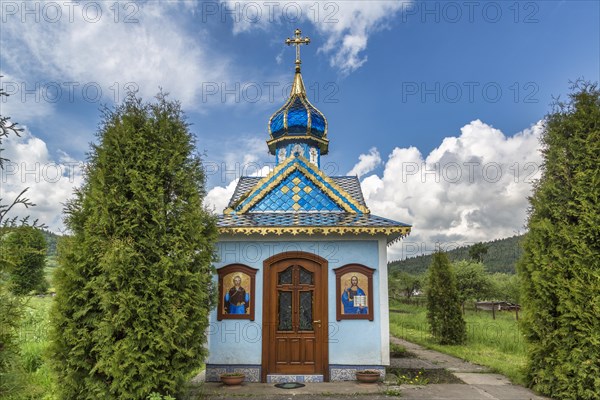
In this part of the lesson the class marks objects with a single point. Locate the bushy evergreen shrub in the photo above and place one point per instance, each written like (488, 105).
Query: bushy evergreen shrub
(443, 303)
(134, 285)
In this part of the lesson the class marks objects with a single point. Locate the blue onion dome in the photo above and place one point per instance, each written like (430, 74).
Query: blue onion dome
(298, 117)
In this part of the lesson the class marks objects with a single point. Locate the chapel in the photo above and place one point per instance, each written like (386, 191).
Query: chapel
(302, 271)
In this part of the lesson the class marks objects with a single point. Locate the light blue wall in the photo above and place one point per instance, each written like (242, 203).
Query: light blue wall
(350, 341)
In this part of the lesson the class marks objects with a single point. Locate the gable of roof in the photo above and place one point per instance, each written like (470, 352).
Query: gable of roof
(350, 184)
(296, 174)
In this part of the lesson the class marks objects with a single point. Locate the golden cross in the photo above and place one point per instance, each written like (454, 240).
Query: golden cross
(297, 41)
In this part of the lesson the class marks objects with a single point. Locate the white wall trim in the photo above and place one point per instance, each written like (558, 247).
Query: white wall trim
(384, 309)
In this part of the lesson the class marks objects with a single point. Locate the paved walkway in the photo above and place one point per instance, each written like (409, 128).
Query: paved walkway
(432, 359)
(479, 384)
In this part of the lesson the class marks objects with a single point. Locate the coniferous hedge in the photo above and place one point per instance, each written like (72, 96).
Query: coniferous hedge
(444, 314)
(134, 286)
(560, 269)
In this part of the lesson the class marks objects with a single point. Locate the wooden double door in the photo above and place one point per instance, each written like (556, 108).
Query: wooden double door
(295, 315)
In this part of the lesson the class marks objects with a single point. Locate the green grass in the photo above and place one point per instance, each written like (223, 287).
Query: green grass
(36, 376)
(51, 264)
(398, 351)
(497, 344)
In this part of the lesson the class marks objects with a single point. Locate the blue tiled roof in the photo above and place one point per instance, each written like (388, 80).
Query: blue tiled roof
(305, 219)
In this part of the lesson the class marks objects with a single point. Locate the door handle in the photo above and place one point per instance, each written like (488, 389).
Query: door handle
(317, 322)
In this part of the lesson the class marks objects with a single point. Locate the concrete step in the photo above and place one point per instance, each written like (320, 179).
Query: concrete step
(280, 378)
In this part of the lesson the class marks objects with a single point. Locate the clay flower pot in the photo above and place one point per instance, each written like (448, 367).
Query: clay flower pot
(233, 378)
(367, 376)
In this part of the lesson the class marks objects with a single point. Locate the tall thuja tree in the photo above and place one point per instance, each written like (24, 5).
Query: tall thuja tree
(24, 252)
(134, 286)
(445, 318)
(560, 267)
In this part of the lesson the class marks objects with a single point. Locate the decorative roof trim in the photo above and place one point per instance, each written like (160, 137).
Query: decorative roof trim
(401, 231)
(323, 143)
(276, 176)
(308, 115)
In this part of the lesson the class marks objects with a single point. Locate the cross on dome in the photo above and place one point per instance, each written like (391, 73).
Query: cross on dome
(297, 41)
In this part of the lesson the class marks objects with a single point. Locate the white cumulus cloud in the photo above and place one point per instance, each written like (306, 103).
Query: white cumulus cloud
(346, 25)
(349, 26)
(472, 187)
(51, 179)
(218, 197)
(366, 163)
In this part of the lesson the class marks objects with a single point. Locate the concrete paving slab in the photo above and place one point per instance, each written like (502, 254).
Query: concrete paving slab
(442, 360)
(482, 379)
(413, 363)
(509, 392)
(450, 391)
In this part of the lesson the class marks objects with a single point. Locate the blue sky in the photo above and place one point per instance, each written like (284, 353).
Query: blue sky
(403, 84)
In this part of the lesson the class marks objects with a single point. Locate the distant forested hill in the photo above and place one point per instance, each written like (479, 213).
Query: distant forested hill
(502, 256)
(51, 239)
